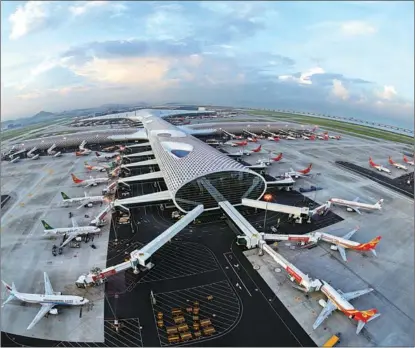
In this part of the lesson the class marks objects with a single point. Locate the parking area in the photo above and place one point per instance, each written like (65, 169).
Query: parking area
(197, 313)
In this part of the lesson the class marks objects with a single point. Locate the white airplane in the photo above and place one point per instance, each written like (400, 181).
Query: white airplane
(106, 156)
(299, 173)
(86, 201)
(343, 243)
(397, 165)
(355, 205)
(378, 166)
(289, 137)
(101, 168)
(269, 161)
(276, 138)
(337, 137)
(69, 232)
(89, 182)
(311, 137)
(48, 300)
(83, 152)
(407, 161)
(340, 300)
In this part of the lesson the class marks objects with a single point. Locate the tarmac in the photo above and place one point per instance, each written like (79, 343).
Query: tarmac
(390, 274)
(35, 187)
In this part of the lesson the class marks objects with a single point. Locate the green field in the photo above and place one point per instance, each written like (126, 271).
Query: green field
(356, 129)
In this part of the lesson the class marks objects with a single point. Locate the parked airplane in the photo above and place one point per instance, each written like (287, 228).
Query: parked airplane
(299, 173)
(311, 137)
(323, 137)
(252, 140)
(84, 152)
(355, 205)
(378, 166)
(269, 161)
(101, 168)
(397, 165)
(274, 138)
(407, 161)
(343, 243)
(340, 300)
(47, 301)
(106, 156)
(337, 137)
(69, 232)
(237, 143)
(289, 137)
(85, 201)
(89, 182)
(258, 149)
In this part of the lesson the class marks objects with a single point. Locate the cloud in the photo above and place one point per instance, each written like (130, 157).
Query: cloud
(388, 93)
(357, 28)
(30, 17)
(339, 90)
(302, 78)
(86, 6)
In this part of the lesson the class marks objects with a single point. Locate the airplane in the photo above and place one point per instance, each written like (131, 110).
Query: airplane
(397, 165)
(15, 159)
(289, 137)
(340, 300)
(101, 168)
(85, 201)
(323, 137)
(89, 182)
(343, 243)
(48, 300)
(106, 156)
(378, 166)
(274, 138)
(238, 143)
(299, 173)
(268, 161)
(252, 140)
(83, 152)
(311, 137)
(355, 204)
(70, 232)
(337, 137)
(257, 150)
(405, 159)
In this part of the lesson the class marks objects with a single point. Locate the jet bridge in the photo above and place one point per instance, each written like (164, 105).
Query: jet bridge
(139, 154)
(142, 177)
(151, 162)
(139, 257)
(138, 145)
(251, 236)
(149, 198)
(297, 213)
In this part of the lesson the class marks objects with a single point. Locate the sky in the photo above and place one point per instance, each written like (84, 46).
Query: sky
(345, 58)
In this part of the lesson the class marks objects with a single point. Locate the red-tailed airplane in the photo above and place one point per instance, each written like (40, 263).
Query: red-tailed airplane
(270, 160)
(84, 152)
(274, 138)
(396, 165)
(102, 168)
(89, 182)
(252, 140)
(258, 149)
(324, 136)
(378, 166)
(311, 137)
(239, 143)
(298, 173)
(407, 161)
(337, 137)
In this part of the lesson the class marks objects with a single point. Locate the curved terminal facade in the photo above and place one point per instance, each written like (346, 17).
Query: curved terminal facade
(195, 173)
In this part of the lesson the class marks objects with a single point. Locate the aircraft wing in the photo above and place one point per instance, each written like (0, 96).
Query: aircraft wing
(355, 209)
(324, 314)
(89, 184)
(355, 294)
(84, 203)
(74, 223)
(69, 239)
(48, 285)
(342, 252)
(351, 233)
(356, 199)
(42, 312)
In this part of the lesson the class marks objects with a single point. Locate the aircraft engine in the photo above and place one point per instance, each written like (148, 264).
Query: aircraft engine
(333, 247)
(53, 311)
(349, 209)
(322, 303)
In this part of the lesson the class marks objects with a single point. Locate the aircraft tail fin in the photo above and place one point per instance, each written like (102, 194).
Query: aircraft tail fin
(64, 195)
(8, 287)
(97, 153)
(46, 225)
(75, 179)
(379, 203)
(370, 245)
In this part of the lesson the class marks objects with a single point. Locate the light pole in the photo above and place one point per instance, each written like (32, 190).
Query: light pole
(267, 198)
